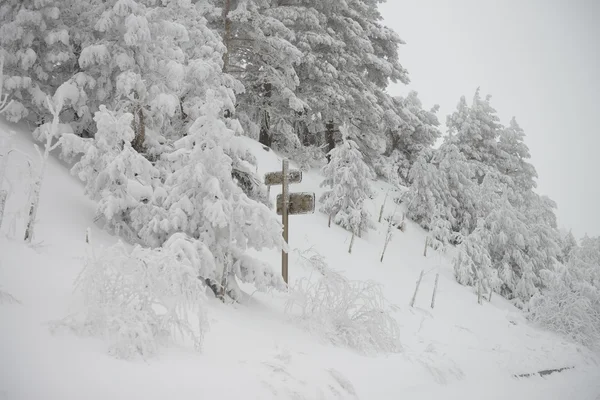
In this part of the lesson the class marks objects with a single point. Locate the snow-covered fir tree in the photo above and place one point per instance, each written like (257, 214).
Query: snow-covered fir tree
(473, 266)
(414, 130)
(476, 129)
(259, 54)
(115, 174)
(348, 179)
(348, 57)
(201, 199)
(38, 54)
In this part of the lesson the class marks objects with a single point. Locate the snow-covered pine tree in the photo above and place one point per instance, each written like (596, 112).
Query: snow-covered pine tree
(114, 173)
(473, 266)
(462, 196)
(440, 230)
(349, 57)
(476, 130)
(568, 243)
(513, 154)
(442, 184)
(428, 191)
(38, 55)
(348, 179)
(415, 130)
(259, 54)
(152, 60)
(201, 199)
(521, 233)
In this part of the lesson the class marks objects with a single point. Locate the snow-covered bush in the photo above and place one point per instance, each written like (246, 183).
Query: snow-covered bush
(139, 299)
(348, 313)
(568, 310)
(569, 304)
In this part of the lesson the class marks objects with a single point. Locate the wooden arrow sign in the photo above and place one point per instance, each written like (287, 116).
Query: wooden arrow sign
(299, 203)
(276, 178)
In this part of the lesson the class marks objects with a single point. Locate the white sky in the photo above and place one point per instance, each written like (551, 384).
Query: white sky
(540, 61)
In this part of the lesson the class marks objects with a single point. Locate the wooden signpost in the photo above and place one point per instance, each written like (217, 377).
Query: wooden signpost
(289, 203)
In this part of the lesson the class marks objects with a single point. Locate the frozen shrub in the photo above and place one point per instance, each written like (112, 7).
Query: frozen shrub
(570, 309)
(139, 299)
(347, 313)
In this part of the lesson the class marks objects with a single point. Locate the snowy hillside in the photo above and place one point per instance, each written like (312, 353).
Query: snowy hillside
(255, 350)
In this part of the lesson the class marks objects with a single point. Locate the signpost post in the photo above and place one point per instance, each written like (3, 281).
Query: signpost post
(284, 219)
(289, 203)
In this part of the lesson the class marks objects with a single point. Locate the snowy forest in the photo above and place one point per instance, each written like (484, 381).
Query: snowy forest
(150, 102)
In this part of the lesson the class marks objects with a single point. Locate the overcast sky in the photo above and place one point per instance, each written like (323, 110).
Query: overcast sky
(540, 61)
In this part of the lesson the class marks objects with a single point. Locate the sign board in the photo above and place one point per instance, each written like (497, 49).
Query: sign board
(299, 203)
(276, 178)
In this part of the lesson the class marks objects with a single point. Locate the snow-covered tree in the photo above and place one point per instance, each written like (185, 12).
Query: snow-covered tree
(513, 155)
(442, 183)
(429, 189)
(4, 103)
(114, 173)
(38, 53)
(412, 132)
(260, 55)
(567, 243)
(348, 58)
(51, 134)
(200, 198)
(473, 266)
(348, 179)
(475, 130)
(153, 61)
(440, 230)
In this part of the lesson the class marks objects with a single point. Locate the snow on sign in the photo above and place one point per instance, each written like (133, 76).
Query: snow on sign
(299, 203)
(294, 203)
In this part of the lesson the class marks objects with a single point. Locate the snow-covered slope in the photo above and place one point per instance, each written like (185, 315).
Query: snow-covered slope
(458, 350)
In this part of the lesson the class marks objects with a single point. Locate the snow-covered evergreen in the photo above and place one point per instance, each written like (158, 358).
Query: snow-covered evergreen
(413, 131)
(348, 179)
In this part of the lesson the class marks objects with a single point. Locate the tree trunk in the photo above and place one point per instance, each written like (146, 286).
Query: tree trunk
(383, 206)
(183, 114)
(437, 276)
(330, 138)
(414, 298)
(3, 197)
(35, 200)
(227, 35)
(387, 241)
(265, 137)
(140, 131)
(351, 243)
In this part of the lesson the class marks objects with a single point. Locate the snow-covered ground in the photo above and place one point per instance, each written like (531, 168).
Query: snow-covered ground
(458, 350)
